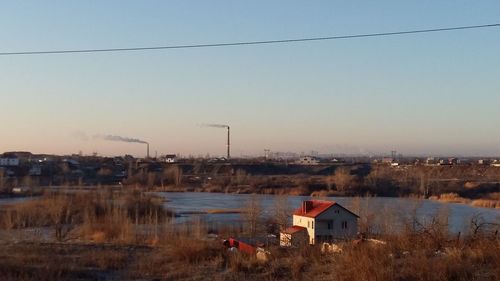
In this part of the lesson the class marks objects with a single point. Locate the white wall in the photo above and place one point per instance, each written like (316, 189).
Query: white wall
(307, 223)
(319, 226)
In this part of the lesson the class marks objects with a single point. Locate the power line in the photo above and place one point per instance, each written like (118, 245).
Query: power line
(250, 42)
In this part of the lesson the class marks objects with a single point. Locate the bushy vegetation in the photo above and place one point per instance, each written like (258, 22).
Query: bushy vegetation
(98, 215)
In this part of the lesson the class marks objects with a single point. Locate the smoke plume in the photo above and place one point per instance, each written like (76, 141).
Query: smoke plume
(80, 135)
(215, 125)
(119, 138)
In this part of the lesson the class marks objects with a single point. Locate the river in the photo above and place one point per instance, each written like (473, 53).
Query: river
(380, 211)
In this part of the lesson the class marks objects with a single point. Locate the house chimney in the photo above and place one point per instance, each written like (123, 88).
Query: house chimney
(306, 206)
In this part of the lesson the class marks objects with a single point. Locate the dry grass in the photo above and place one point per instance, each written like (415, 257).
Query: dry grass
(494, 196)
(96, 216)
(224, 211)
(405, 257)
(184, 252)
(55, 261)
(478, 260)
(491, 201)
(486, 203)
(452, 198)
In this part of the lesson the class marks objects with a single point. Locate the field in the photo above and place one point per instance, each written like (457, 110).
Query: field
(128, 235)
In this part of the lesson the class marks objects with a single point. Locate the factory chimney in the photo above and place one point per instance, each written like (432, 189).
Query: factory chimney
(147, 151)
(228, 135)
(228, 143)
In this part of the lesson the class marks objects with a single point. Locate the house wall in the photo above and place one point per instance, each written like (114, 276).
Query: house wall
(336, 215)
(285, 239)
(307, 223)
(318, 227)
(296, 239)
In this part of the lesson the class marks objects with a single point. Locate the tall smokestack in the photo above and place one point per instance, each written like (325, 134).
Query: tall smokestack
(228, 135)
(228, 143)
(147, 152)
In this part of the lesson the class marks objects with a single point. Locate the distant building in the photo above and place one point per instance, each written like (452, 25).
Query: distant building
(318, 221)
(431, 161)
(7, 160)
(387, 160)
(449, 161)
(483, 161)
(35, 170)
(21, 189)
(307, 160)
(170, 158)
(337, 161)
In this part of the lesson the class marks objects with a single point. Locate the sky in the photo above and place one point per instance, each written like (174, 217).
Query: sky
(423, 94)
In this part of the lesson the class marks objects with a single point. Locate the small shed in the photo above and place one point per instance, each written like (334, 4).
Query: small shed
(250, 245)
(294, 236)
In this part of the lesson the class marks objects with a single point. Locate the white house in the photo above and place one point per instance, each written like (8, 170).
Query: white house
(170, 158)
(318, 221)
(307, 160)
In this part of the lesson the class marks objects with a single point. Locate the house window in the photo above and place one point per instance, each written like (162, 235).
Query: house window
(330, 225)
(337, 211)
(312, 224)
(308, 224)
(344, 225)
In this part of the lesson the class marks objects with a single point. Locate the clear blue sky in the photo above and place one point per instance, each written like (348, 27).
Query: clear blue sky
(422, 94)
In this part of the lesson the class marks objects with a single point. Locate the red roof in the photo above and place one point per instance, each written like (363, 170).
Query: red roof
(294, 229)
(316, 207)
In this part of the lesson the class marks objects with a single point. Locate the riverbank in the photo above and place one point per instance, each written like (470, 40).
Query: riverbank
(427, 254)
(472, 182)
(491, 201)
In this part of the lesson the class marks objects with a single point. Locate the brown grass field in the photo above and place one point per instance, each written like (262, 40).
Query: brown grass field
(128, 236)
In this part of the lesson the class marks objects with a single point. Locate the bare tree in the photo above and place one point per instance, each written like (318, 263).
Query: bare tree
(366, 222)
(174, 175)
(151, 179)
(241, 176)
(163, 178)
(281, 211)
(479, 226)
(27, 181)
(424, 184)
(2, 178)
(61, 216)
(343, 178)
(252, 214)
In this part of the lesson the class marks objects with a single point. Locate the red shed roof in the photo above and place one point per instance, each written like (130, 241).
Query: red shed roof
(294, 229)
(316, 207)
